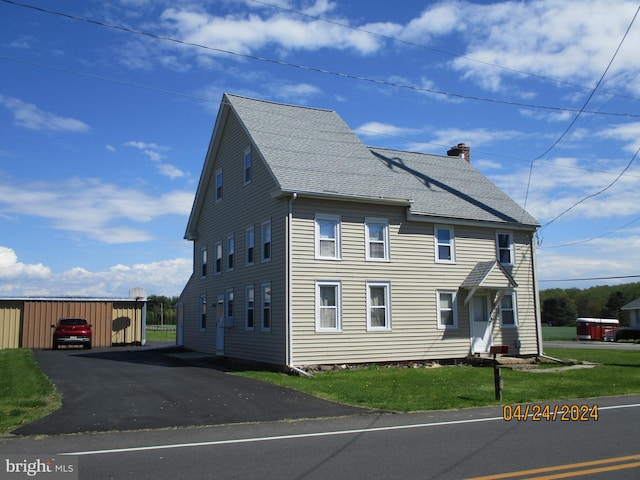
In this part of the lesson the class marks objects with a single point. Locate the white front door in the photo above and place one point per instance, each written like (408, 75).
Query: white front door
(220, 326)
(480, 315)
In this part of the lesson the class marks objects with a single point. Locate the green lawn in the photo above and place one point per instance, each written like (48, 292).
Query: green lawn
(166, 335)
(25, 393)
(558, 334)
(414, 389)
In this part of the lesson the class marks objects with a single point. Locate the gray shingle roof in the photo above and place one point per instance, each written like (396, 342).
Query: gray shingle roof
(633, 305)
(313, 151)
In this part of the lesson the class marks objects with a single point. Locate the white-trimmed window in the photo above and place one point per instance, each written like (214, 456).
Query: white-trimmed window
(266, 241)
(247, 166)
(231, 250)
(445, 245)
(328, 237)
(203, 312)
(249, 307)
(203, 262)
(505, 249)
(228, 302)
(328, 309)
(447, 311)
(265, 326)
(217, 252)
(379, 306)
(218, 185)
(250, 240)
(508, 315)
(377, 238)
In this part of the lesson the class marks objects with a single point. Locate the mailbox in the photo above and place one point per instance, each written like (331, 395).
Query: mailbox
(499, 349)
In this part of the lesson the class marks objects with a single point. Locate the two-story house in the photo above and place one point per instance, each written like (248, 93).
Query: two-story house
(311, 248)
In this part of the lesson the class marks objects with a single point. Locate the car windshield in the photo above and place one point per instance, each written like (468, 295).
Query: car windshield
(73, 321)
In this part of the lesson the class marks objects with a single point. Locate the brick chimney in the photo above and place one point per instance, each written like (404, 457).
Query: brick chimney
(460, 150)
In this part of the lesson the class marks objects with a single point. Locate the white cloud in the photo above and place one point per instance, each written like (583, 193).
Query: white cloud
(155, 153)
(372, 129)
(560, 184)
(628, 132)
(571, 41)
(98, 210)
(244, 34)
(29, 116)
(165, 277)
(10, 268)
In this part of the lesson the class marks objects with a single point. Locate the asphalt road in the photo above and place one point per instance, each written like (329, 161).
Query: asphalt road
(595, 345)
(444, 445)
(144, 388)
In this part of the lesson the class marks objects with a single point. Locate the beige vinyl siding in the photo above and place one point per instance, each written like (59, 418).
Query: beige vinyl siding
(126, 323)
(10, 319)
(241, 206)
(414, 278)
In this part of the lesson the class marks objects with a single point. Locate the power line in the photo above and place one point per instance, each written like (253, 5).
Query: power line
(437, 50)
(315, 69)
(567, 210)
(573, 122)
(589, 279)
(594, 238)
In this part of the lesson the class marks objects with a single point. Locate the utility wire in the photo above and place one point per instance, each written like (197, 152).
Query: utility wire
(314, 69)
(592, 278)
(437, 50)
(572, 123)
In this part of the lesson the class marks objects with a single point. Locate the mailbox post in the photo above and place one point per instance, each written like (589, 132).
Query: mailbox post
(497, 376)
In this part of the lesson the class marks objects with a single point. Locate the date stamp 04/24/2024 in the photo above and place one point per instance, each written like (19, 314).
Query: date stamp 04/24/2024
(536, 412)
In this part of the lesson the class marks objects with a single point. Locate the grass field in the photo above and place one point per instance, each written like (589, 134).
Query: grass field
(167, 334)
(558, 334)
(26, 394)
(413, 389)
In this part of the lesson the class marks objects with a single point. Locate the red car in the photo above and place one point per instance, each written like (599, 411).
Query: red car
(72, 331)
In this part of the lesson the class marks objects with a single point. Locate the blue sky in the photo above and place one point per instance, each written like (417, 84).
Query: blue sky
(107, 108)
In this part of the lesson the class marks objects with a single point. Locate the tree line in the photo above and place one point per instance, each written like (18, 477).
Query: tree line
(161, 310)
(561, 307)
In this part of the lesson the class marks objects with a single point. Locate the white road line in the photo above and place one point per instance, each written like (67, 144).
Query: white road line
(305, 435)
(281, 437)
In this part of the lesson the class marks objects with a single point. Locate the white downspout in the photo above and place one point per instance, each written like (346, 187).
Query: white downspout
(290, 283)
(536, 294)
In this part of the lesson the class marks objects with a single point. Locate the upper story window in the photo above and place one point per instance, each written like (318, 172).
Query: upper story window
(447, 312)
(218, 185)
(378, 306)
(377, 238)
(445, 245)
(328, 237)
(203, 262)
(231, 250)
(217, 251)
(508, 315)
(505, 249)
(266, 241)
(250, 240)
(247, 166)
(328, 314)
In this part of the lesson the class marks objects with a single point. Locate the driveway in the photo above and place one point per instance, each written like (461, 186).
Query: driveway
(134, 388)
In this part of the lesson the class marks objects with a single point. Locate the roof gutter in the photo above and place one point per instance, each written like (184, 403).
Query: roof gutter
(346, 197)
(416, 217)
